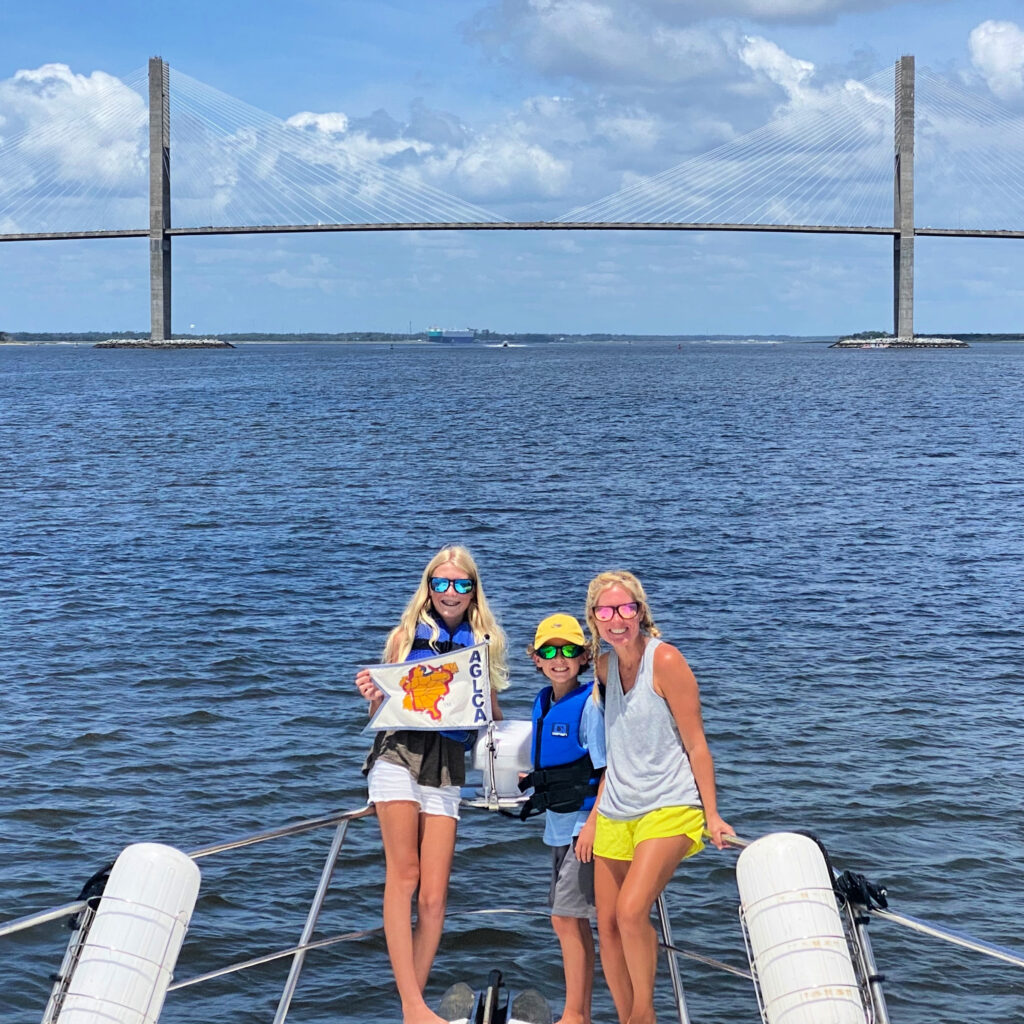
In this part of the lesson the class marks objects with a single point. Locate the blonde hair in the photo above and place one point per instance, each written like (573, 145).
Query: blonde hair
(479, 615)
(636, 590)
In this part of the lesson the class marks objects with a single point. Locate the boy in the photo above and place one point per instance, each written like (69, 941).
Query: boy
(568, 758)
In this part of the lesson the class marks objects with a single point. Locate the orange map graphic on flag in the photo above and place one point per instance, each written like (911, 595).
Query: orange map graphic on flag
(445, 690)
(426, 686)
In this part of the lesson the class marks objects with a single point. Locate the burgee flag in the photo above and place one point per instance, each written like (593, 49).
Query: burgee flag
(439, 691)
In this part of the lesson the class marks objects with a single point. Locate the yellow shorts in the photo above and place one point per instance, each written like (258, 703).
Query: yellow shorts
(617, 840)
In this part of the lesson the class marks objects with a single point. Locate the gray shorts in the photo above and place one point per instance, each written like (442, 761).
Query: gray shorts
(572, 884)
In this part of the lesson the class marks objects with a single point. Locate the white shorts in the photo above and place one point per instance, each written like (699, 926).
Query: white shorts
(389, 781)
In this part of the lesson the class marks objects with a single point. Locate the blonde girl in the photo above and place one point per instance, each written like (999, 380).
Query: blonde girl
(414, 777)
(658, 793)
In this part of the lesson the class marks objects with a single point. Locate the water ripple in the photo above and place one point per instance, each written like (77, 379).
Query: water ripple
(198, 554)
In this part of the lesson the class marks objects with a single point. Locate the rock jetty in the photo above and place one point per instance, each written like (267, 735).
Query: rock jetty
(169, 343)
(914, 342)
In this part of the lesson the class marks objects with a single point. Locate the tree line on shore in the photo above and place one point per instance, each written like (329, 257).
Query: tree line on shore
(395, 336)
(482, 336)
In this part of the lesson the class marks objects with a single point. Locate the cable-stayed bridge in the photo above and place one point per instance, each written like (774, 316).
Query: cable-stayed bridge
(839, 162)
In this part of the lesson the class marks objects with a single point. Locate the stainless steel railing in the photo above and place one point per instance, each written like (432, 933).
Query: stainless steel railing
(340, 821)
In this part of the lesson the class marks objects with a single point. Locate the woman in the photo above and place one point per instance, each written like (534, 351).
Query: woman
(658, 793)
(414, 776)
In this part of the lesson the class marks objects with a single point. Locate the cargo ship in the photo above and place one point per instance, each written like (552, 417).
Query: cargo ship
(451, 336)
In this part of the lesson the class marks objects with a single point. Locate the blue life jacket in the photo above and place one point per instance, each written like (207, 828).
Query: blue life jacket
(563, 777)
(445, 642)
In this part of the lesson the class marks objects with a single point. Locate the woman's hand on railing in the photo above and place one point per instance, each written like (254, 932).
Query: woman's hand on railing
(718, 829)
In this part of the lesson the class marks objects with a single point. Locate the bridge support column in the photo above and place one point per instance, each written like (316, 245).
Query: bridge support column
(903, 208)
(159, 201)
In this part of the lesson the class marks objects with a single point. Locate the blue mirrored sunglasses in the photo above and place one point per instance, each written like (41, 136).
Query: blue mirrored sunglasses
(440, 585)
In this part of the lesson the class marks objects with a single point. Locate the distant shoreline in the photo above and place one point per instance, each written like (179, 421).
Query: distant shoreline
(89, 338)
(381, 338)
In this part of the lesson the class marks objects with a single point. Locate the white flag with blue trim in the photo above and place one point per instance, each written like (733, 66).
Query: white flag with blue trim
(438, 691)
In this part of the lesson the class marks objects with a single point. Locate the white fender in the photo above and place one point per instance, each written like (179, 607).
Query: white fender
(132, 945)
(798, 949)
(512, 753)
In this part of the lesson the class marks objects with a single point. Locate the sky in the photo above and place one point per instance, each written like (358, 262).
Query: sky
(526, 109)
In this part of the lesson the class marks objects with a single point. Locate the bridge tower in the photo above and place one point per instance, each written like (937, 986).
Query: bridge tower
(903, 205)
(159, 200)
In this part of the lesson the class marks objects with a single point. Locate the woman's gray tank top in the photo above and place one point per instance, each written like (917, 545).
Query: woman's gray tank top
(647, 763)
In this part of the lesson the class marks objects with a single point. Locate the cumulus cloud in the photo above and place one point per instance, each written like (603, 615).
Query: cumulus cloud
(65, 132)
(648, 95)
(661, 40)
(331, 124)
(643, 88)
(646, 84)
(497, 167)
(315, 167)
(90, 125)
(790, 73)
(766, 11)
(503, 161)
(997, 51)
(598, 41)
(822, 155)
(640, 89)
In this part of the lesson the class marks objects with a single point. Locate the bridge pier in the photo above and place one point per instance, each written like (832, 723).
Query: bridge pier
(159, 201)
(903, 202)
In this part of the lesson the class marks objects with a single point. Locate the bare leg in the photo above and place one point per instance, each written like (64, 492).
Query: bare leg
(400, 831)
(577, 941)
(654, 862)
(437, 848)
(609, 876)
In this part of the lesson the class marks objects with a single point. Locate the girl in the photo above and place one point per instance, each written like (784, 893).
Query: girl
(658, 792)
(414, 777)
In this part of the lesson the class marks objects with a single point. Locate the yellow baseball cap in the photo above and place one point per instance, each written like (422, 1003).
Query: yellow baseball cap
(559, 627)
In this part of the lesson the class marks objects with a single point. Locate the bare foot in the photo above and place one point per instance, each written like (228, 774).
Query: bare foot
(642, 1017)
(572, 1018)
(421, 1015)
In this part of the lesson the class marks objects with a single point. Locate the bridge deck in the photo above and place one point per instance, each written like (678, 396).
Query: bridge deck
(537, 225)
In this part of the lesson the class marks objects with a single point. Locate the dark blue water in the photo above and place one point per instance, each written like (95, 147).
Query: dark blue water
(200, 548)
